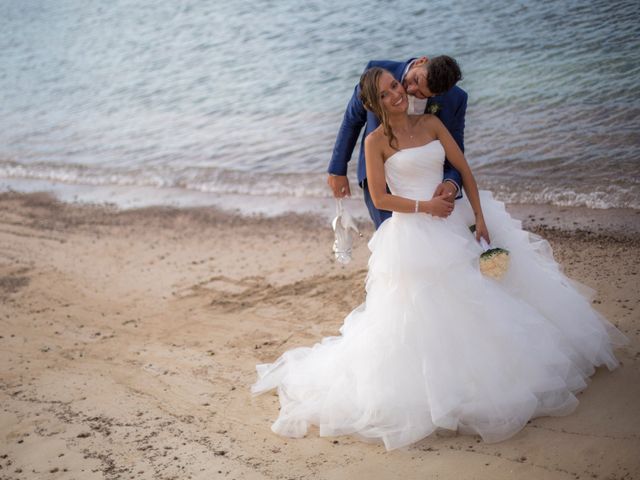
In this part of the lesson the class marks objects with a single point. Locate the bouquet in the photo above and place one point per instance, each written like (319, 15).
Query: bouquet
(494, 262)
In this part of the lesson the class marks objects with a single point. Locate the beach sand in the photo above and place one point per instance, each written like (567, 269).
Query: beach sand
(129, 339)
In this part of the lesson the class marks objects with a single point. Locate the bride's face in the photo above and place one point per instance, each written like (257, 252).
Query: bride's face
(391, 94)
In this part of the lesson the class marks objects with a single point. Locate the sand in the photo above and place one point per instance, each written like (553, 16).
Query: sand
(129, 339)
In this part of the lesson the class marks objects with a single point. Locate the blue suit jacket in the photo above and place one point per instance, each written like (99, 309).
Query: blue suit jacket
(453, 106)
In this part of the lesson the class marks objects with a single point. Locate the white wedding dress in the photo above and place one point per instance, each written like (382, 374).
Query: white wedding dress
(438, 345)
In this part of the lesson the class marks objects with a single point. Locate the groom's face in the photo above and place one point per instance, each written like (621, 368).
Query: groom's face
(415, 82)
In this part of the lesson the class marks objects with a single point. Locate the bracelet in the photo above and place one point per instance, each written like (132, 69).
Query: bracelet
(416, 209)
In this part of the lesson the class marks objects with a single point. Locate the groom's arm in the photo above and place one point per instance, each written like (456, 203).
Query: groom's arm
(456, 128)
(355, 117)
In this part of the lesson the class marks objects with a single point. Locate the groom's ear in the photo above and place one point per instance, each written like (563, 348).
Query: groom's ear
(420, 61)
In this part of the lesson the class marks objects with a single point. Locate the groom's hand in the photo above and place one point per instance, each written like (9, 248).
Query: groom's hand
(339, 184)
(447, 190)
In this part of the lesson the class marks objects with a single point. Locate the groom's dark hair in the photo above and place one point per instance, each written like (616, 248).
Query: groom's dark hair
(443, 73)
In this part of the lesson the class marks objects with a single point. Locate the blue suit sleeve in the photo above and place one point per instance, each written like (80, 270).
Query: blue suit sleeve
(457, 132)
(355, 117)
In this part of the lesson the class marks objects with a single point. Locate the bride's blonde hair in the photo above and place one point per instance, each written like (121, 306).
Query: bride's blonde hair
(370, 97)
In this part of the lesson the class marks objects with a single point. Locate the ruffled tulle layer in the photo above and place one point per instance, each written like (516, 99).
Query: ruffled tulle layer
(438, 345)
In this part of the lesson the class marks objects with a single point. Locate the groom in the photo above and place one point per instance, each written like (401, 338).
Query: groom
(428, 80)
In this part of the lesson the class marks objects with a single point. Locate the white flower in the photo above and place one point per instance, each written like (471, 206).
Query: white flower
(494, 263)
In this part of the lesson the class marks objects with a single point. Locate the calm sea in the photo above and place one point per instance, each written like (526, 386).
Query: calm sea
(228, 98)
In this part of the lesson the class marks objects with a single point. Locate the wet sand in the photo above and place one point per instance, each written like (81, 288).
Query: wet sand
(129, 339)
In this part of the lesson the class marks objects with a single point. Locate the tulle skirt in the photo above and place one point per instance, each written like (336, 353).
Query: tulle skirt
(438, 345)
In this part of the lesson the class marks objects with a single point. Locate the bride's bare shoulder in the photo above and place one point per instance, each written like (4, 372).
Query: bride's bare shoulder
(429, 118)
(430, 122)
(377, 133)
(375, 137)
(376, 145)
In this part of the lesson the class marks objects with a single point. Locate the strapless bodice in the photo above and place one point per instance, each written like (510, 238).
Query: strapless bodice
(415, 172)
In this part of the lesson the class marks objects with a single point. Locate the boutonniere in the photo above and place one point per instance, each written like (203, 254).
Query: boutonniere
(434, 108)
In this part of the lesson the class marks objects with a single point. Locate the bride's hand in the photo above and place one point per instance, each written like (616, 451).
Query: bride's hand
(481, 230)
(440, 206)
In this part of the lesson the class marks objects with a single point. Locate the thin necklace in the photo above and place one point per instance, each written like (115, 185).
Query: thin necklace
(406, 132)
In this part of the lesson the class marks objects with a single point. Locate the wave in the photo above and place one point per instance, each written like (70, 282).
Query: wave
(200, 179)
(211, 180)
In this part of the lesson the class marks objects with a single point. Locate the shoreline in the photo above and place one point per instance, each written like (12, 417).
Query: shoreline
(129, 340)
(617, 221)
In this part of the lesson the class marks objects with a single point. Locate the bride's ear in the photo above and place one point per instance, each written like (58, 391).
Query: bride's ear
(365, 104)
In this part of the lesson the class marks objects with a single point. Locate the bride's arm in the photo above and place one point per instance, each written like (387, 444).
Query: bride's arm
(383, 200)
(456, 158)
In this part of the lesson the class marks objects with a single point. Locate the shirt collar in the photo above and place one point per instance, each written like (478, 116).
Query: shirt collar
(406, 69)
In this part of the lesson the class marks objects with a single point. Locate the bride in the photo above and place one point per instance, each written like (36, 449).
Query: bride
(436, 344)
